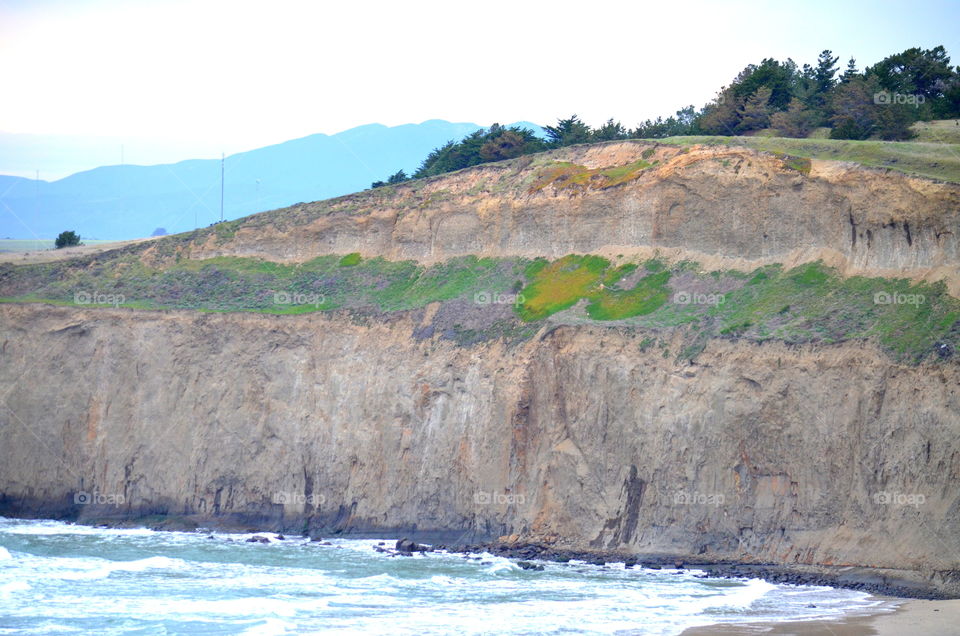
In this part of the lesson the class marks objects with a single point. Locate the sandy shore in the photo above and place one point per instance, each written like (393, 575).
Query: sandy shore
(911, 617)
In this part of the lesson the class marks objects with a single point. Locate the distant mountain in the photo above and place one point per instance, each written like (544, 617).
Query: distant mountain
(123, 202)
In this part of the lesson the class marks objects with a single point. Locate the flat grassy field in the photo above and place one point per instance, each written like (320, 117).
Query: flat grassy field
(35, 245)
(27, 251)
(924, 159)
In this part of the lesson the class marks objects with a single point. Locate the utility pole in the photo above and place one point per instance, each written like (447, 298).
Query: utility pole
(221, 186)
(36, 202)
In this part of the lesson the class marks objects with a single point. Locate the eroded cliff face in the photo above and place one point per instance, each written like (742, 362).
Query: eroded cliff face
(584, 436)
(732, 204)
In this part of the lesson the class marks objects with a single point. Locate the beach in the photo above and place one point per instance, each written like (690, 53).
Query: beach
(911, 616)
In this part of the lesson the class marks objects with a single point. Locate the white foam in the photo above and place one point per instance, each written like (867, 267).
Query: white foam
(378, 578)
(502, 565)
(271, 627)
(14, 586)
(91, 569)
(287, 587)
(745, 596)
(439, 579)
(150, 563)
(46, 528)
(232, 607)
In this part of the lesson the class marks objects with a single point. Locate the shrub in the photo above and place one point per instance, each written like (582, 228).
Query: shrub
(67, 238)
(350, 260)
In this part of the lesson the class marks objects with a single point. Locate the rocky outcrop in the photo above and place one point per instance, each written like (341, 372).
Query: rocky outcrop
(582, 437)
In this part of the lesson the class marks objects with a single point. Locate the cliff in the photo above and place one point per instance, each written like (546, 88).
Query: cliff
(720, 205)
(826, 453)
(804, 455)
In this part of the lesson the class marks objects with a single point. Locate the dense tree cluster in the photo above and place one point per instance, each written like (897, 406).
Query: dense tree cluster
(880, 102)
(506, 142)
(493, 144)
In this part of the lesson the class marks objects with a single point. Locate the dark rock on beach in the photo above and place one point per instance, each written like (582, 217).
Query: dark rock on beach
(407, 547)
(850, 578)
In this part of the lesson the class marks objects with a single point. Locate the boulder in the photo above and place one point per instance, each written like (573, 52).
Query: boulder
(526, 565)
(406, 545)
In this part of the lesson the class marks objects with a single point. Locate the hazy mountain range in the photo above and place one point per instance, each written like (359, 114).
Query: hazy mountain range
(129, 201)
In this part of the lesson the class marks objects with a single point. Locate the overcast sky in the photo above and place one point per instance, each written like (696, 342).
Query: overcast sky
(181, 79)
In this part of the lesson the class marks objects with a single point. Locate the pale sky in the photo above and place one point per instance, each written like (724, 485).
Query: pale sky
(182, 79)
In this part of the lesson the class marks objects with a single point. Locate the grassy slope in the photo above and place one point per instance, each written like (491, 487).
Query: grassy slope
(245, 284)
(808, 304)
(941, 131)
(932, 160)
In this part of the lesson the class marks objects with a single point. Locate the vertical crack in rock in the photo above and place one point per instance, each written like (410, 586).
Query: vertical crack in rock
(624, 524)
(634, 487)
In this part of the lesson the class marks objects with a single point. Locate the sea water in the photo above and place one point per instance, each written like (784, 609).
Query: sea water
(59, 578)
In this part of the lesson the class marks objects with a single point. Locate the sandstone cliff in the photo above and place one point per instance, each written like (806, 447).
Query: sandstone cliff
(725, 206)
(830, 456)
(587, 436)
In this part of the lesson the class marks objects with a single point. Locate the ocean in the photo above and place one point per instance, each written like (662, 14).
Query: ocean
(60, 578)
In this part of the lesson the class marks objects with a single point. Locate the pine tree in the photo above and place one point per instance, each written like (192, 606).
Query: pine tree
(398, 177)
(722, 115)
(610, 131)
(854, 111)
(797, 121)
(851, 71)
(567, 132)
(826, 69)
(755, 112)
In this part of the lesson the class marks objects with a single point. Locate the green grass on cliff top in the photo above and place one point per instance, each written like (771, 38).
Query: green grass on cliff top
(920, 158)
(938, 131)
(807, 304)
(563, 283)
(564, 175)
(229, 283)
